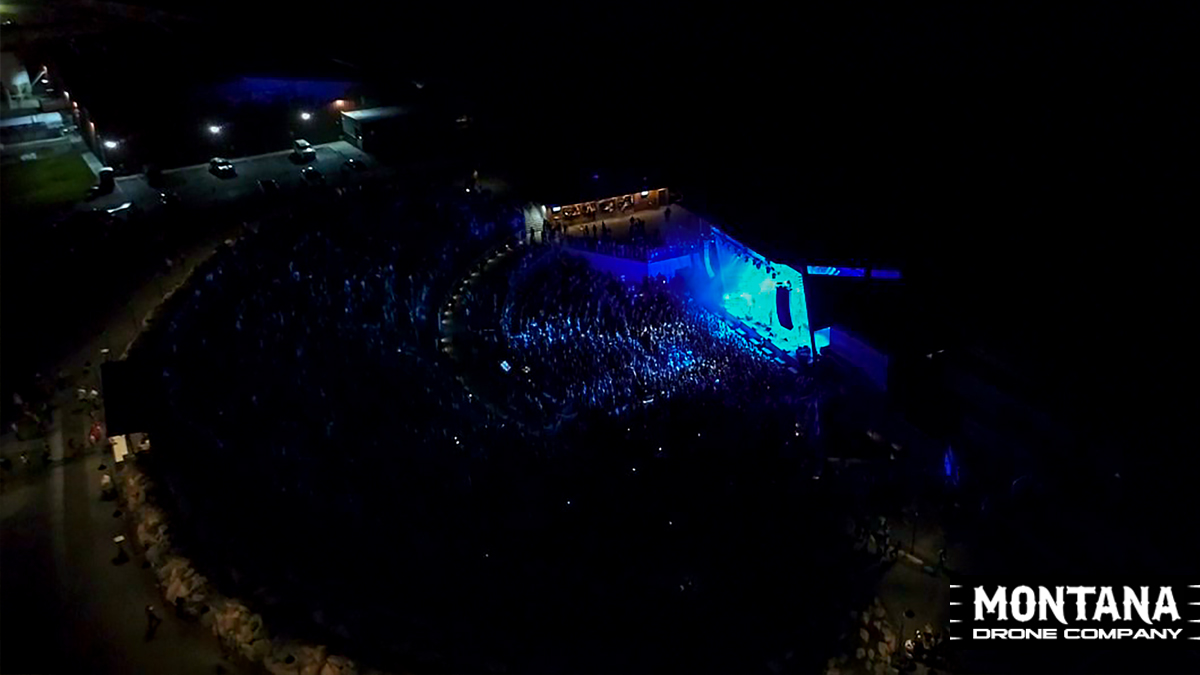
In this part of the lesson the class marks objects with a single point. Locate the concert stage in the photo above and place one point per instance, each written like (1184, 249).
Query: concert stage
(766, 297)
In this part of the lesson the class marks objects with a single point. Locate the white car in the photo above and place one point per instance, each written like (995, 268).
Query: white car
(304, 150)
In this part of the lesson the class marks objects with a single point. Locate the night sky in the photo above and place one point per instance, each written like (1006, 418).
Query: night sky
(926, 130)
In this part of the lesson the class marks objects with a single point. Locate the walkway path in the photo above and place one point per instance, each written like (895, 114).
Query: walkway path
(450, 327)
(67, 607)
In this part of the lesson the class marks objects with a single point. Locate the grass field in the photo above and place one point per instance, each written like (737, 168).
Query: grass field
(48, 182)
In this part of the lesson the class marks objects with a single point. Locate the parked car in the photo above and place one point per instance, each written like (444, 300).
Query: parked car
(168, 198)
(303, 150)
(312, 176)
(268, 187)
(221, 167)
(354, 165)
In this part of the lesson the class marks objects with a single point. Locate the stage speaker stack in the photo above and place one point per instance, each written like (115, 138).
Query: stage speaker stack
(783, 306)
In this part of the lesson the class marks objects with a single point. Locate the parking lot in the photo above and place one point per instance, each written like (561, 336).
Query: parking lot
(196, 185)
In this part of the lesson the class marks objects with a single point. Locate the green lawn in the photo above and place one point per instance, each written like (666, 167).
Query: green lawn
(48, 182)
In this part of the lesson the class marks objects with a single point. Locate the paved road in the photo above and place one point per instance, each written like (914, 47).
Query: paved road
(66, 606)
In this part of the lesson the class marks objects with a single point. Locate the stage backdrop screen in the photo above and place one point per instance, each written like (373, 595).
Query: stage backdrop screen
(749, 286)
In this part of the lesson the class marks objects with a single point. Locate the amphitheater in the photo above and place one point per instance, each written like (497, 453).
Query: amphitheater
(405, 437)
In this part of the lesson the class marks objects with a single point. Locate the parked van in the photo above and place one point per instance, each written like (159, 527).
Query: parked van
(304, 150)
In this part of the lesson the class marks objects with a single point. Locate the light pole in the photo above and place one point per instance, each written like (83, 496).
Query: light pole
(105, 147)
(297, 128)
(216, 131)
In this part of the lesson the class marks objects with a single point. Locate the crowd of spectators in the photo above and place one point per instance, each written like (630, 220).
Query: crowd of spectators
(593, 341)
(552, 339)
(297, 353)
(628, 249)
(325, 462)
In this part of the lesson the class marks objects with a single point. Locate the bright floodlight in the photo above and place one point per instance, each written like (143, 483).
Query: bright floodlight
(111, 144)
(305, 116)
(214, 129)
(339, 103)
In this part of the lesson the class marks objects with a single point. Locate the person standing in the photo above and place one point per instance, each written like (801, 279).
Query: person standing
(152, 621)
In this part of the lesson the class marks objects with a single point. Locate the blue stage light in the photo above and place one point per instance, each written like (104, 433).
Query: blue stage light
(950, 466)
(837, 271)
(750, 295)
